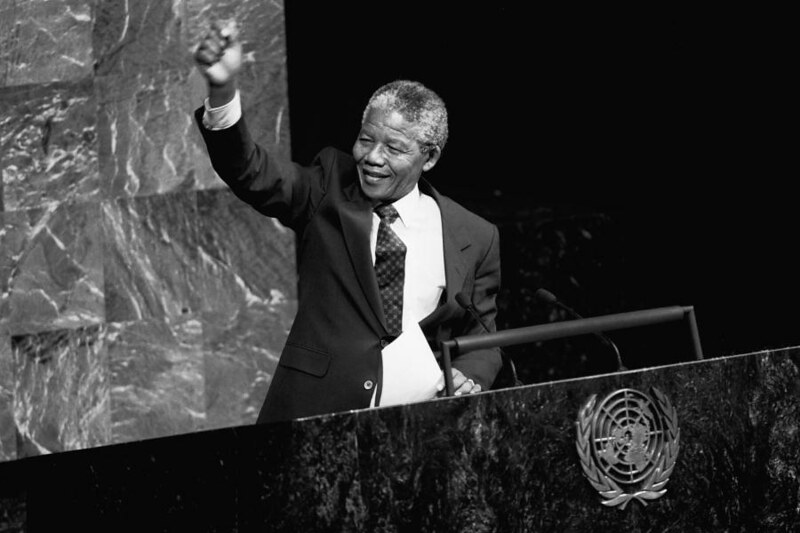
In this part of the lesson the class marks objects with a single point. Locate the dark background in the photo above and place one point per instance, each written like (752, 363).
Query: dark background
(631, 159)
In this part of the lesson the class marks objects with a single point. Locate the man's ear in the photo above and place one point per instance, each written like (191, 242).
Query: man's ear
(433, 157)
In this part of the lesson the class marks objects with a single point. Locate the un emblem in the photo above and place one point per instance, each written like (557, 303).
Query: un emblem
(628, 444)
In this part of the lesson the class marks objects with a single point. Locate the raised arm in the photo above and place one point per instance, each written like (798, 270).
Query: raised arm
(276, 188)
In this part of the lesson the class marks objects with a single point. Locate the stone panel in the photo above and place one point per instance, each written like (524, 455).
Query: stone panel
(156, 378)
(48, 144)
(51, 262)
(45, 40)
(61, 392)
(251, 301)
(8, 444)
(151, 257)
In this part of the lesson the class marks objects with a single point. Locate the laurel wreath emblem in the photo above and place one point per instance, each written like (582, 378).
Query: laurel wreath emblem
(652, 487)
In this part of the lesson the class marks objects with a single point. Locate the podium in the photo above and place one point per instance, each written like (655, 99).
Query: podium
(505, 461)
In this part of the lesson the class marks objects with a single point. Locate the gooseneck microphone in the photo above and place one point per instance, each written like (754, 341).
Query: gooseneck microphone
(547, 297)
(464, 301)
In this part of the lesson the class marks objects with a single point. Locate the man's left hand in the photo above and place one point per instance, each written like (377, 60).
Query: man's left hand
(464, 385)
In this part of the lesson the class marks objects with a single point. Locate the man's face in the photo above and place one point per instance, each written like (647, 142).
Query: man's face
(388, 156)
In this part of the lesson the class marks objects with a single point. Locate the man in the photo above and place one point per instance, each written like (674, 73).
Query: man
(380, 252)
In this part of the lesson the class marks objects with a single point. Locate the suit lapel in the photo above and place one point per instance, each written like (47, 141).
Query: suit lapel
(356, 218)
(454, 245)
(455, 241)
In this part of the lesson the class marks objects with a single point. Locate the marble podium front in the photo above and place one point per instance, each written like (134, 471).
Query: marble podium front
(501, 461)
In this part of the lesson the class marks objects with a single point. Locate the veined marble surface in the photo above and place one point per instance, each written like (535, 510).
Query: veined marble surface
(157, 378)
(138, 297)
(151, 259)
(8, 444)
(48, 144)
(146, 82)
(61, 391)
(503, 461)
(45, 40)
(250, 304)
(51, 260)
(148, 142)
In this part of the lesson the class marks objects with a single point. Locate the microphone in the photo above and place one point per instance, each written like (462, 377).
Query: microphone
(464, 301)
(547, 297)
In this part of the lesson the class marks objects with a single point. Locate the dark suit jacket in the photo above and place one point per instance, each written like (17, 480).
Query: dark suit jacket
(332, 355)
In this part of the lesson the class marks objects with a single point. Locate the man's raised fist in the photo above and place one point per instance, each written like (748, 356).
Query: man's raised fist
(219, 54)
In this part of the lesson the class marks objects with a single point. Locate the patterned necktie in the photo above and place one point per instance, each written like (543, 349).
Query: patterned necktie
(390, 257)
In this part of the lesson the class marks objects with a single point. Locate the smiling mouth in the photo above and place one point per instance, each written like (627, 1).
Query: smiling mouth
(373, 175)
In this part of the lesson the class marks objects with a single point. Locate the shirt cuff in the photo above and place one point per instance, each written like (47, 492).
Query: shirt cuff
(224, 116)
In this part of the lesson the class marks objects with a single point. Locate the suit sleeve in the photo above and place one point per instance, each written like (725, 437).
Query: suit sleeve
(483, 365)
(284, 190)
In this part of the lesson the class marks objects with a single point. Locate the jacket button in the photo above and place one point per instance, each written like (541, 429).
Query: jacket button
(368, 384)
(384, 343)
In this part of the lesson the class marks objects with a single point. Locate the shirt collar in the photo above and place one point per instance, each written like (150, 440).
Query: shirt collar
(408, 207)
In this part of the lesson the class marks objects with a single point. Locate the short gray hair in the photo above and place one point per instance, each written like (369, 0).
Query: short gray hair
(417, 104)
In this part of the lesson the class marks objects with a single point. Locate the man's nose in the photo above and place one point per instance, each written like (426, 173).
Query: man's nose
(375, 155)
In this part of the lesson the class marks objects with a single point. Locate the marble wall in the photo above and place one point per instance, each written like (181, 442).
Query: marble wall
(138, 297)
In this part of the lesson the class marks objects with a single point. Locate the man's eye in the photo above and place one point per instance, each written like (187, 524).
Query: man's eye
(394, 149)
